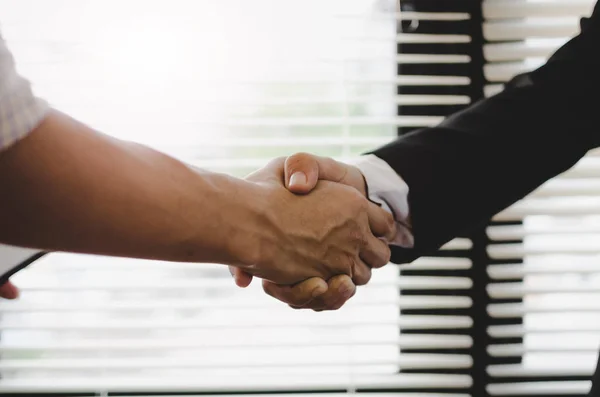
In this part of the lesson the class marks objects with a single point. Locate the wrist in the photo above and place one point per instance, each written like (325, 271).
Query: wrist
(219, 223)
(249, 237)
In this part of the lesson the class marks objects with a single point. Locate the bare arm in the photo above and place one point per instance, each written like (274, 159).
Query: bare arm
(66, 187)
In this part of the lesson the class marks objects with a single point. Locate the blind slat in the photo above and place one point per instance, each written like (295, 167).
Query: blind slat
(408, 322)
(515, 370)
(516, 9)
(195, 284)
(544, 207)
(517, 51)
(408, 361)
(518, 290)
(404, 341)
(508, 30)
(564, 388)
(518, 309)
(405, 302)
(214, 384)
(549, 267)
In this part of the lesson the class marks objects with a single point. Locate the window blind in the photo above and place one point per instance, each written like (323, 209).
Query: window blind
(227, 85)
(452, 268)
(546, 258)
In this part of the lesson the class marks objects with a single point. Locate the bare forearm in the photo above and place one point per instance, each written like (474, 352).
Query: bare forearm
(68, 188)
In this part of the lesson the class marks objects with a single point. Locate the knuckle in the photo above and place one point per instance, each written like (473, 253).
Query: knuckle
(359, 237)
(363, 277)
(383, 257)
(387, 256)
(363, 239)
(359, 200)
(277, 161)
(298, 156)
(352, 198)
(295, 160)
(348, 263)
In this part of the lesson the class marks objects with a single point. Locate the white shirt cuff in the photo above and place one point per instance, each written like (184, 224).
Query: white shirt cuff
(388, 189)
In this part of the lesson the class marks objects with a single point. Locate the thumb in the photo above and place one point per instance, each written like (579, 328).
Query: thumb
(301, 173)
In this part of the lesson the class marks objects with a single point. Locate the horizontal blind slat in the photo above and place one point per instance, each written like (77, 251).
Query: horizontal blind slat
(408, 322)
(405, 302)
(430, 341)
(508, 30)
(408, 361)
(184, 284)
(516, 370)
(551, 266)
(507, 310)
(517, 51)
(519, 290)
(516, 9)
(564, 388)
(214, 384)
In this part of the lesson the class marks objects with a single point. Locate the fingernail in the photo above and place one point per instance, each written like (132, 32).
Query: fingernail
(345, 289)
(318, 291)
(298, 178)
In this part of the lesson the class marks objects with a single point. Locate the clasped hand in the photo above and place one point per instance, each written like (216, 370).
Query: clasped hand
(329, 235)
(315, 236)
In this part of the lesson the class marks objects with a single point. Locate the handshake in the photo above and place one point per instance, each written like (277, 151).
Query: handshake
(303, 224)
(319, 234)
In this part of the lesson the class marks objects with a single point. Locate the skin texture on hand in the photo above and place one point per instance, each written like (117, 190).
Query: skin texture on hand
(301, 174)
(326, 233)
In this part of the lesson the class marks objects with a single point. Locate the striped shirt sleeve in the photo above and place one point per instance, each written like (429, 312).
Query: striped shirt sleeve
(20, 110)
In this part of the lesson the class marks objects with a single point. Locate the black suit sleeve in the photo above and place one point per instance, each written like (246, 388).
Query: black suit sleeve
(483, 159)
